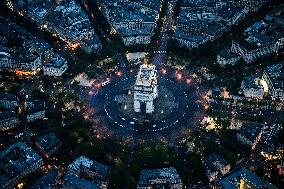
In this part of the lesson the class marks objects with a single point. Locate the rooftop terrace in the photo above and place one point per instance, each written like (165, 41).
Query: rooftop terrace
(146, 75)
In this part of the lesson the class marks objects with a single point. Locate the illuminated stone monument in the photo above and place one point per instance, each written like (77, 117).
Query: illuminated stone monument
(145, 89)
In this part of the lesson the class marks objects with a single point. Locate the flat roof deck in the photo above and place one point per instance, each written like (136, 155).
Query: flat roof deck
(146, 75)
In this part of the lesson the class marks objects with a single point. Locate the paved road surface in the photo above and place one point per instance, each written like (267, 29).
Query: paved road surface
(160, 53)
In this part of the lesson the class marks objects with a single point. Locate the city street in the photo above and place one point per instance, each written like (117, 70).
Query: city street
(160, 53)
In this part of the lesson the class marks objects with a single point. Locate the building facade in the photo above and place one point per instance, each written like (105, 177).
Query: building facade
(34, 110)
(252, 88)
(86, 173)
(56, 67)
(8, 120)
(71, 24)
(8, 101)
(250, 134)
(134, 20)
(49, 180)
(159, 178)
(273, 76)
(215, 166)
(17, 161)
(225, 57)
(242, 178)
(48, 143)
(5, 60)
(250, 56)
(202, 21)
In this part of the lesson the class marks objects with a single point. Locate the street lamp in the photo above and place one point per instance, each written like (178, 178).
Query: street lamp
(178, 76)
(119, 74)
(188, 81)
(164, 71)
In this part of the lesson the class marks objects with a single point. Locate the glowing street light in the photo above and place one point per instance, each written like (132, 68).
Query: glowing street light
(178, 76)
(206, 106)
(91, 93)
(118, 73)
(20, 185)
(164, 71)
(188, 81)
(98, 85)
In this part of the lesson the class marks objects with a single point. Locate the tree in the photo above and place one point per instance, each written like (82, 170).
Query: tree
(177, 8)
(117, 178)
(2, 89)
(36, 93)
(14, 89)
(85, 148)
(131, 182)
(164, 9)
(54, 113)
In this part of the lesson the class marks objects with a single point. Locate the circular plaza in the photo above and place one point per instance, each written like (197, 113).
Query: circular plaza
(174, 108)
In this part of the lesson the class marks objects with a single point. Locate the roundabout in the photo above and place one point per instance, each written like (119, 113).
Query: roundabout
(174, 108)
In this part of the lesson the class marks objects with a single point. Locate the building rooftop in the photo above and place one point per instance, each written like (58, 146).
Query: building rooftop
(91, 165)
(226, 53)
(200, 20)
(170, 174)
(16, 159)
(7, 96)
(47, 181)
(146, 75)
(132, 10)
(233, 180)
(4, 30)
(214, 29)
(149, 4)
(267, 31)
(56, 62)
(29, 50)
(214, 163)
(119, 12)
(47, 142)
(201, 3)
(72, 181)
(250, 130)
(38, 9)
(251, 82)
(4, 52)
(270, 134)
(275, 74)
(33, 105)
(71, 22)
(127, 32)
(180, 33)
(24, 55)
(76, 171)
(7, 114)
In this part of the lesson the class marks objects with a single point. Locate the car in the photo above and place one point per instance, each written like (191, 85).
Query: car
(105, 83)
